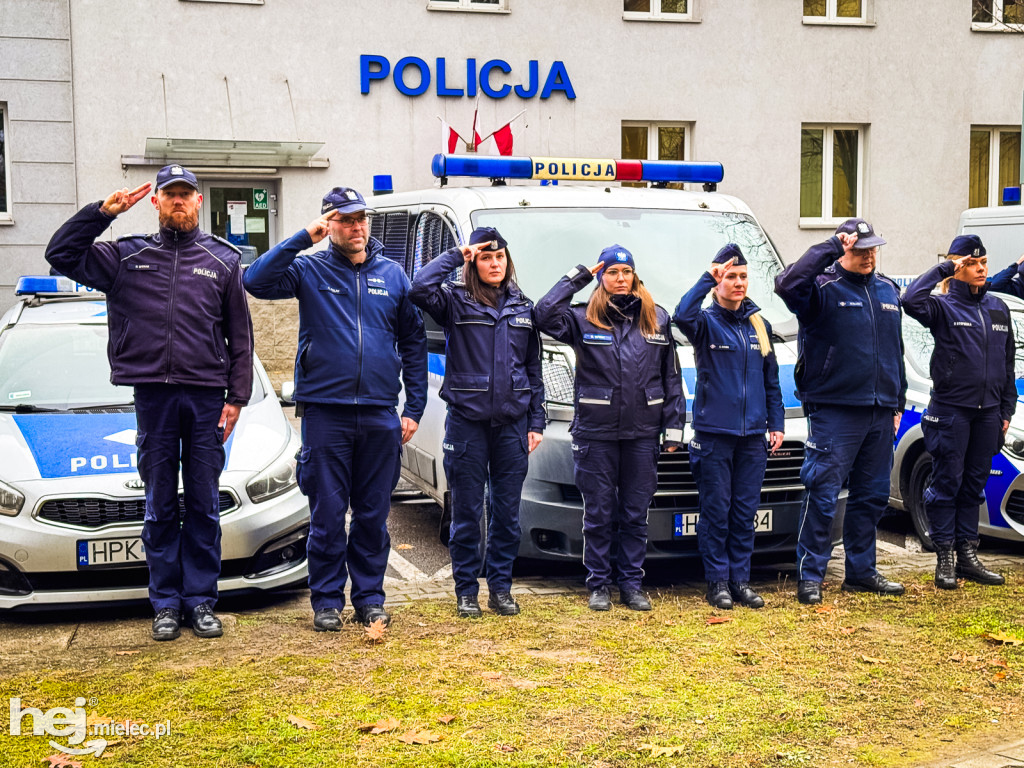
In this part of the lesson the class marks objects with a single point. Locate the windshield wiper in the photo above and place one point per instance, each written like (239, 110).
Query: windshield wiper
(28, 408)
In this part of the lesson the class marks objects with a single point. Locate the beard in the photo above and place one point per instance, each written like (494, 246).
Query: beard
(181, 221)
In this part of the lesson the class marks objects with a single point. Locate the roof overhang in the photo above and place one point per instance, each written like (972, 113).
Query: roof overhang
(224, 154)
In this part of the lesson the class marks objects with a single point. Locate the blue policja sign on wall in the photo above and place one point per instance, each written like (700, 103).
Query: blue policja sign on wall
(413, 77)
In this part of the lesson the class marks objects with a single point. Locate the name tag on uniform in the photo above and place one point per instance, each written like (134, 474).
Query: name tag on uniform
(597, 338)
(851, 303)
(144, 267)
(522, 320)
(889, 307)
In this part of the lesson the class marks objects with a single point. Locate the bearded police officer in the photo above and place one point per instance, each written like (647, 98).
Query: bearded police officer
(851, 379)
(180, 333)
(360, 338)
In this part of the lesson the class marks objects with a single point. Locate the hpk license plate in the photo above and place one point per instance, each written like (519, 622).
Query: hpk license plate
(111, 553)
(686, 523)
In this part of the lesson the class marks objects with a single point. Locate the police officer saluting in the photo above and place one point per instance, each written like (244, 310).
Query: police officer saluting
(974, 394)
(360, 338)
(495, 394)
(738, 400)
(180, 333)
(627, 396)
(851, 379)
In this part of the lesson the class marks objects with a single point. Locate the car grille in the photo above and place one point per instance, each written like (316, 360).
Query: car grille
(95, 513)
(1015, 507)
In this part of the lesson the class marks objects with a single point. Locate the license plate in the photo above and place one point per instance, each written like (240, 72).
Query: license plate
(111, 553)
(686, 523)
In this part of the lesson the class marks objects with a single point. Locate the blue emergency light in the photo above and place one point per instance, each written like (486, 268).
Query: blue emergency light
(1011, 195)
(32, 284)
(576, 169)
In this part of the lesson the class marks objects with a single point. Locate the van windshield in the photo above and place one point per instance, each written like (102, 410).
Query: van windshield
(672, 249)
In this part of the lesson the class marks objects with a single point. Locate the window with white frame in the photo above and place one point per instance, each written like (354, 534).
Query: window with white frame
(995, 164)
(836, 11)
(659, 10)
(655, 141)
(5, 165)
(495, 6)
(831, 173)
(997, 15)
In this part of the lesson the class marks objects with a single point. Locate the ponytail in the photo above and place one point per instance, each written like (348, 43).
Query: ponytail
(757, 322)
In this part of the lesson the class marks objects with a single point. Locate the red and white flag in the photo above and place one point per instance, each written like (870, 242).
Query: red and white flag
(477, 130)
(449, 138)
(501, 141)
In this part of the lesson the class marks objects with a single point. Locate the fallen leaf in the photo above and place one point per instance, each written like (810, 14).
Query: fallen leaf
(824, 609)
(960, 658)
(62, 761)
(490, 675)
(506, 748)
(94, 719)
(376, 631)
(999, 676)
(1002, 638)
(419, 737)
(445, 719)
(873, 660)
(381, 726)
(847, 630)
(301, 722)
(717, 620)
(525, 685)
(404, 546)
(657, 751)
(126, 653)
(918, 702)
(999, 663)
(744, 652)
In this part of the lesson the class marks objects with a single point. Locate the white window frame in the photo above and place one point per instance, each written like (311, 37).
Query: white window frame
(827, 220)
(7, 216)
(655, 13)
(995, 137)
(652, 138)
(468, 6)
(832, 17)
(997, 24)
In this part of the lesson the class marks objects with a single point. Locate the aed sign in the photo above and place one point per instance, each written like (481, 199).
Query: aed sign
(413, 76)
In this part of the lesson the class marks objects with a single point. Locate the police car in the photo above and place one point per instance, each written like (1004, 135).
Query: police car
(551, 227)
(71, 500)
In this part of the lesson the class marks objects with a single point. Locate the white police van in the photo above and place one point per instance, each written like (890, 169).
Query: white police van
(1001, 229)
(551, 227)
(71, 500)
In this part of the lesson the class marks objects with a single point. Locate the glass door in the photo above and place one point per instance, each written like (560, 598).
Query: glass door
(243, 213)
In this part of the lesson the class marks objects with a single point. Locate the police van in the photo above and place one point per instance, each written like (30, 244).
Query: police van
(551, 227)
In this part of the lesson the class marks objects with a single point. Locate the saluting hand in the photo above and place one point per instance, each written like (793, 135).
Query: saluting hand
(470, 252)
(318, 229)
(596, 268)
(848, 239)
(718, 271)
(775, 440)
(120, 201)
(533, 440)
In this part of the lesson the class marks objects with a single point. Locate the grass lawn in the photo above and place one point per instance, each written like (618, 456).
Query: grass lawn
(861, 681)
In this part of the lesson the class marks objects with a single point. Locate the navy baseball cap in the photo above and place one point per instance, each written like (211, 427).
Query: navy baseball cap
(730, 251)
(967, 245)
(615, 254)
(486, 235)
(866, 237)
(176, 174)
(343, 200)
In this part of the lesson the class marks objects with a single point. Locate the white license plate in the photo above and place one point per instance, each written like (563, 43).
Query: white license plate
(107, 553)
(686, 523)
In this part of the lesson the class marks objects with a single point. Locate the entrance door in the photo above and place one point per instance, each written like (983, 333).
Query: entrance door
(243, 213)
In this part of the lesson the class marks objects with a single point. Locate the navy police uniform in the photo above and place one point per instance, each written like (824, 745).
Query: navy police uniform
(973, 392)
(851, 378)
(627, 394)
(360, 338)
(495, 393)
(738, 400)
(181, 335)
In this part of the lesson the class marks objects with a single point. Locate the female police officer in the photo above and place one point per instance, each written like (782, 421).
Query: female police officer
(973, 398)
(738, 399)
(628, 392)
(495, 397)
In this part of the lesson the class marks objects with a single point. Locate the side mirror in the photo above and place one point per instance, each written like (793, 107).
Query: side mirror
(287, 393)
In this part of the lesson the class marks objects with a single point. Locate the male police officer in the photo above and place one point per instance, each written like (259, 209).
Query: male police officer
(359, 338)
(851, 379)
(180, 333)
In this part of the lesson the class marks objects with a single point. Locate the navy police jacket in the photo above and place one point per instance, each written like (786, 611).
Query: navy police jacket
(1010, 281)
(972, 363)
(627, 385)
(738, 390)
(360, 336)
(851, 338)
(176, 311)
(492, 366)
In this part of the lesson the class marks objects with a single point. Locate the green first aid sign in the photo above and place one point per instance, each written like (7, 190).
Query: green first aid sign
(260, 200)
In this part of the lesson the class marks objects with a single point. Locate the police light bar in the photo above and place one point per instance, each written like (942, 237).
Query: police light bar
(576, 169)
(33, 284)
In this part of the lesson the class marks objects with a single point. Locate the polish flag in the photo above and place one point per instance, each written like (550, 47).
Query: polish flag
(477, 130)
(449, 138)
(500, 142)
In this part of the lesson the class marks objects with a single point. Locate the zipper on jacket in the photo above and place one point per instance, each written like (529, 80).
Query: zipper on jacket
(170, 309)
(745, 346)
(359, 332)
(984, 343)
(874, 329)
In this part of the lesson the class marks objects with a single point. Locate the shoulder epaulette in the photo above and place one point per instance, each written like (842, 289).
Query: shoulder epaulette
(146, 236)
(222, 241)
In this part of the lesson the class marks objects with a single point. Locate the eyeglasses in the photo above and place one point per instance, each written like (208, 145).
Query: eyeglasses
(350, 221)
(625, 272)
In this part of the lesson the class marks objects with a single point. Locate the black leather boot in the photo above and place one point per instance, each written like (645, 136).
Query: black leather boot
(808, 592)
(969, 567)
(742, 594)
(718, 594)
(945, 571)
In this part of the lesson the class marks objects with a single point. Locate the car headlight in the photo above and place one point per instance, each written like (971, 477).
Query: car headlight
(559, 376)
(10, 500)
(278, 478)
(1014, 444)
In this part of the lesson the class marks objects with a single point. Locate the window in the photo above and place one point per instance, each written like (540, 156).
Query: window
(5, 167)
(659, 10)
(836, 11)
(654, 141)
(995, 164)
(493, 6)
(997, 15)
(831, 169)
